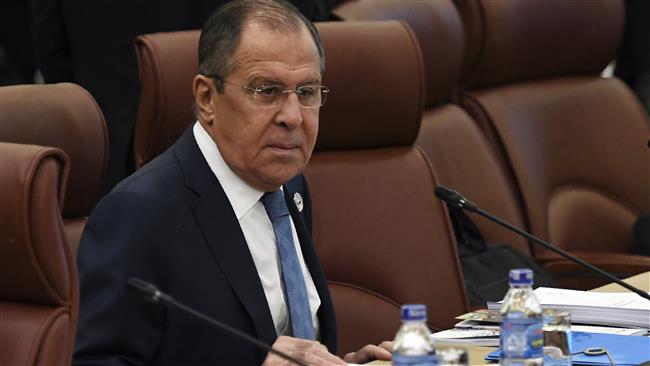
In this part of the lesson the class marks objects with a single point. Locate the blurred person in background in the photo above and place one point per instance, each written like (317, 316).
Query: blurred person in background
(17, 64)
(633, 60)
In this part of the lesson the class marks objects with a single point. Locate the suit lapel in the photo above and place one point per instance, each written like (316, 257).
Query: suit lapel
(219, 225)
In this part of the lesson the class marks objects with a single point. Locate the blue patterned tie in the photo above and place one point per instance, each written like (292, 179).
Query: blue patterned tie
(294, 282)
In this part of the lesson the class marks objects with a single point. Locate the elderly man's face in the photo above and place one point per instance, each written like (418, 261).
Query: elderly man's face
(266, 145)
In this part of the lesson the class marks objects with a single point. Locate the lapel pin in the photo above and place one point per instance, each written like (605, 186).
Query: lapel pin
(297, 198)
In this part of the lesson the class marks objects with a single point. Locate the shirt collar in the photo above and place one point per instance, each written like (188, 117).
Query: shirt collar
(241, 195)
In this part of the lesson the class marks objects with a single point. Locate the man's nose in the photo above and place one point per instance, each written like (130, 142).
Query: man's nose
(290, 111)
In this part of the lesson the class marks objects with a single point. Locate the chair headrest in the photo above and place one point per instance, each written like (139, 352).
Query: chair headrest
(63, 116)
(36, 264)
(436, 25)
(386, 91)
(512, 40)
(375, 74)
(168, 62)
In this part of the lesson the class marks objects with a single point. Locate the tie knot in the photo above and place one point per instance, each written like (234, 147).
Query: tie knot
(275, 204)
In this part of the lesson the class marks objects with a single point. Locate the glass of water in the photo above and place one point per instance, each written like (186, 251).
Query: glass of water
(557, 337)
(451, 356)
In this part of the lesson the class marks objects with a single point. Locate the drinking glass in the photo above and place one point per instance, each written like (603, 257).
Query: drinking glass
(557, 337)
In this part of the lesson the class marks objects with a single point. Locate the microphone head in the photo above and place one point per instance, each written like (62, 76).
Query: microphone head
(454, 199)
(141, 285)
(448, 195)
(150, 290)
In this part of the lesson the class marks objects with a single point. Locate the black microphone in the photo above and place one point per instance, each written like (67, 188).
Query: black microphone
(455, 199)
(160, 297)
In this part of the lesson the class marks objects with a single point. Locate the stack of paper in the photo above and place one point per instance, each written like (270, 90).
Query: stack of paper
(471, 324)
(624, 350)
(476, 337)
(477, 334)
(623, 309)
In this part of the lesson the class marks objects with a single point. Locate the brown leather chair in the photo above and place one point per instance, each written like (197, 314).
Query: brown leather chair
(460, 154)
(575, 142)
(383, 238)
(38, 278)
(67, 117)
(167, 64)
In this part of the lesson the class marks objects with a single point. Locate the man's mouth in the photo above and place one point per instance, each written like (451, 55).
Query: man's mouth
(283, 146)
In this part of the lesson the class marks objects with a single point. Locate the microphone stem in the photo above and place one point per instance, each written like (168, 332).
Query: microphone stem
(232, 331)
(561, 252)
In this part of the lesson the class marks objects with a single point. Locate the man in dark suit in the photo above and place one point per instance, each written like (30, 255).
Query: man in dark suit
(203, 220)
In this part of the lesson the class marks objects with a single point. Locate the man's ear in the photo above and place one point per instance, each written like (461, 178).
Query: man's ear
(204, 90)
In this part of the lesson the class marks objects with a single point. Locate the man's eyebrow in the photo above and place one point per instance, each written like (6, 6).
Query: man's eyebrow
(314, 81)
(264, 79)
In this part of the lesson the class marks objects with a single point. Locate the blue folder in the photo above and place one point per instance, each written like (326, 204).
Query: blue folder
(625, 350)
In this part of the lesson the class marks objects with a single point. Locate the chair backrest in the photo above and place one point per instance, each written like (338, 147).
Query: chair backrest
(460, 154)
(576, 142)
(38, 278)
(167, 64)
(63, 116)
(437, 27)
(382, 237)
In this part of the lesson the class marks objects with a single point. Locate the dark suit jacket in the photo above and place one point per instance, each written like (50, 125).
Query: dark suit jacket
(171, 224)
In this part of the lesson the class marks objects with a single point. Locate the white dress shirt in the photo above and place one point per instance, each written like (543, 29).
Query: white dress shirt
(258, 231)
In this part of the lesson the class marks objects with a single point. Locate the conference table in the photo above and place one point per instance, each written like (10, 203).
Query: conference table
(477, 354)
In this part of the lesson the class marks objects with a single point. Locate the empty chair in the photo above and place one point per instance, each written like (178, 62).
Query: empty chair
(383, 238)
(459, 152)
(67, 117)
(38, 280)
(167, 64)
(575, 142)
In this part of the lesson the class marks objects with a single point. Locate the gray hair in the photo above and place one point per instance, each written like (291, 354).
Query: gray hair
(221, 33)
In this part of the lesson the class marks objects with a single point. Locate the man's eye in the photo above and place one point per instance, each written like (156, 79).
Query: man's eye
(269, 90)
(306, 91)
